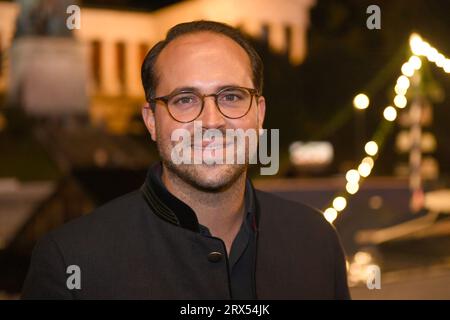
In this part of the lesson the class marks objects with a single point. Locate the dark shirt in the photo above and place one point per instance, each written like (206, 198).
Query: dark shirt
(241, 260)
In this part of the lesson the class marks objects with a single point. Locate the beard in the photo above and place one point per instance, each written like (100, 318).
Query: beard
(205, 177)
(215, 177)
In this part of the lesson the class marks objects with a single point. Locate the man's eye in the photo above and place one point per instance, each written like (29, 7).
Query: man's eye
(231, 97)
(185, 100)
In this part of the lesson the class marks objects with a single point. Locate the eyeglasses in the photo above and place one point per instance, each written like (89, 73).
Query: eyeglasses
(186, 106)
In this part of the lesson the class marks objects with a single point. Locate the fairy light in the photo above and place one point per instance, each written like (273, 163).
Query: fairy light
(364, 170)
(407, 69)
(426, 48)
(339, 203)
(446, 66)
(399, 90)
(419, 48)
(352, 188)
(432, 54)
(352, 176)
(330, 214)
(389, 113)
(416, 44)
(440, 60)
(403, 82)
(415, 62)
(371, 148)
(369, 161)
(400, 101)
(361, 101)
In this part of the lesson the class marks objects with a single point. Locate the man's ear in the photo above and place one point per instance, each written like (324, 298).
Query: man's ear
(149, 119)
(261, 111)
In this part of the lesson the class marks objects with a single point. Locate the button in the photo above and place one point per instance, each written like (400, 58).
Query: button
(215, 256)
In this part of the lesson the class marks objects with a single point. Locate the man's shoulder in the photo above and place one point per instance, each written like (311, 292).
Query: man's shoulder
(286, 206)
(291, 214)
(103, 222)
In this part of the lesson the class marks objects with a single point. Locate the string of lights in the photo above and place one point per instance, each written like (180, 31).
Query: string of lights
(354, 177)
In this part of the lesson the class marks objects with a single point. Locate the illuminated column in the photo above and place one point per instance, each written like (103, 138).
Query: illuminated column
(109, 75)
(132, 69)
(252, 27)
(277, 37)
(8, 15)
(2, 63)
(298, 44)
(88, 54)
(5, 44)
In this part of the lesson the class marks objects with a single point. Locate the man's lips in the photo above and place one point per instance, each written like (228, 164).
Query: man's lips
(210, 145)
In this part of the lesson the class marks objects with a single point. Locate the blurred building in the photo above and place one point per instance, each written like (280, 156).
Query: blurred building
(115, 43)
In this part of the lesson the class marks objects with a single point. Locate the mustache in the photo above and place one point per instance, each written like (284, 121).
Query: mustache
(203, 138)
(207, 138)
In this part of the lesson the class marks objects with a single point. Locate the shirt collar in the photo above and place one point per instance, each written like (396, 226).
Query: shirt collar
(175, 211)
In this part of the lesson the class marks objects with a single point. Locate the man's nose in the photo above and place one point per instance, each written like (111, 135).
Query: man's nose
(211, 116)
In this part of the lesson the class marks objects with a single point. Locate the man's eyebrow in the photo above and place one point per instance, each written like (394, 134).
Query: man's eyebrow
(179, 89)
(196, 89)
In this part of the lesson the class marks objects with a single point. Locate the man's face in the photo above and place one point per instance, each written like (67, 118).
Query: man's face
(205, 61)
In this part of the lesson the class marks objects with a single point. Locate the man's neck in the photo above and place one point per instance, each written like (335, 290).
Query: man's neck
(221, 212)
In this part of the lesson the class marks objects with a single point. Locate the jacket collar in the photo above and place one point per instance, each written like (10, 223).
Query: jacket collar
(173, 210)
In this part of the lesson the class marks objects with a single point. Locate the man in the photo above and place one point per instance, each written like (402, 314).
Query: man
(195, 230)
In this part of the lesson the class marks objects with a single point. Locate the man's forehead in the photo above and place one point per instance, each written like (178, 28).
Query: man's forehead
(192, 45)
(201, 39)
(203, 55)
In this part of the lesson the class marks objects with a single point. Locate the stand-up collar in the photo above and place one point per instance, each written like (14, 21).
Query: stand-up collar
(173, 210)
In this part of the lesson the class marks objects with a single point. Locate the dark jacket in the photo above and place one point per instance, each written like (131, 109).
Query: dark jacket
(126, 251)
